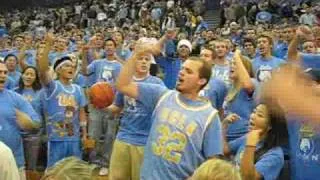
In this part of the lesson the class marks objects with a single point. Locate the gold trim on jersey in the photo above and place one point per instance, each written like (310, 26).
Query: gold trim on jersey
(190, 108)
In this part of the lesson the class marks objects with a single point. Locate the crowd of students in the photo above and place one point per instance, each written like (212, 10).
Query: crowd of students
(191, 102)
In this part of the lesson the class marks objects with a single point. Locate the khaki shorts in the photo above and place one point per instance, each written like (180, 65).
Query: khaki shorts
(126, 161)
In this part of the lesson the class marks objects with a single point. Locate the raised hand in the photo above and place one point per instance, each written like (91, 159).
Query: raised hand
(253, 137)
(304, 32)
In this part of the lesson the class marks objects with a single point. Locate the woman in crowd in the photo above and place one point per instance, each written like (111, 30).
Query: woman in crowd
(30, 88)
(259, 154)
(241, 97)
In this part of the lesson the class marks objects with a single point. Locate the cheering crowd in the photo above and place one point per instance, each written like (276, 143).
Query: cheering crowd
(239, 101)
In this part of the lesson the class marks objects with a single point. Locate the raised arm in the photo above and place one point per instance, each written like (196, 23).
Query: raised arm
(242, 73)
(294, 92)
(43, 62)
(84, 62)
(22, 57)
(303, 32)
(124, 82)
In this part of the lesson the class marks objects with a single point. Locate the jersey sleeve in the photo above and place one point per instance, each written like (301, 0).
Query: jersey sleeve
(270, 164)
(149, 94)
(213, 143)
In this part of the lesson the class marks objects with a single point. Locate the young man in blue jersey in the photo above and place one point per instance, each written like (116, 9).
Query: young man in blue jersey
(264, 64)
(135, 124)
(15, 114)
(186, 130)
(102, 124)
(64, 105)
(221, 67)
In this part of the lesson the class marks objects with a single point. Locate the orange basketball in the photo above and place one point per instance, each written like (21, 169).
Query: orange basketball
(101, 95)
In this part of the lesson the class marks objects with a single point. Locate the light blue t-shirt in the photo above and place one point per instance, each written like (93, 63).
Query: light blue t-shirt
(304, 142)
(9, 128)
(222, 72)
(243, 104)
(103, 70)
(62, 105)
(262, 68)
(124, 54)
(183, 135)
(135, 122)
(269, 164)
(33, 97)
(215, 91)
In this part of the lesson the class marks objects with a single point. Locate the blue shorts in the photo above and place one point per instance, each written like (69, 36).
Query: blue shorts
(57, 150)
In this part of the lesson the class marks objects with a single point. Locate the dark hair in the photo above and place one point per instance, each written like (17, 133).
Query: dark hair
(114, 42)
(204, 71)
(36, 86)
(10, 55)
(249, 40)
(278, 134)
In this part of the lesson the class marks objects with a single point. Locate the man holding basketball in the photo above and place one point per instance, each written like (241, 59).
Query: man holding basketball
(101, 124)
(135, 124)
(64, 104)
(186, 129)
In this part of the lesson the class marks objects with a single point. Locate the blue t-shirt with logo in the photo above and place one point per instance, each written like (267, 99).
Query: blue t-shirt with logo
(135, 122)
(269, 164)
(304, 142)
(103, 70)
(9, 128)
(262, 67)
(62, 105)
(183, 135)
(222, 72)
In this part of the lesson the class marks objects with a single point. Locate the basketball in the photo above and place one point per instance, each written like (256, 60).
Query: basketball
(101, 95)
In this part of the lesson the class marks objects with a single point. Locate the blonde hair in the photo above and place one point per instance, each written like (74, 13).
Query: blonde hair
(216, 169)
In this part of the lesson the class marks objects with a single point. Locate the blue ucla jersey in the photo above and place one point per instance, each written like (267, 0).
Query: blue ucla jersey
(304, 142)
(269, 165)
(262, 68)
(222, 72)
(183, 135)
(242, 104)
(136, 121)
(62, 105)
(9, 128)
(215, 91)
(103, 70)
